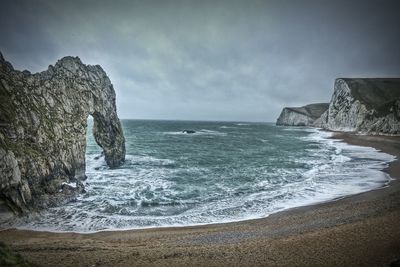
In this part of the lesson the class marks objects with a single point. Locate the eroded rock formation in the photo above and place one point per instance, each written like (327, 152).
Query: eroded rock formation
(364, 106)
(43, 121)
(301, 116)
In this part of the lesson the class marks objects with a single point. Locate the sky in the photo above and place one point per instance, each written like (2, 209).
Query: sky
(209, 60)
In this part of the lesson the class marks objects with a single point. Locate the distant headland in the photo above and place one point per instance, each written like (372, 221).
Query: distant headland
(360, 105)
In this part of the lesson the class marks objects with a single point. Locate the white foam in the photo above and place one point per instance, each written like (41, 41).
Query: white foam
(135, 159)
(228, 127)
(339, 158)
(73, 185)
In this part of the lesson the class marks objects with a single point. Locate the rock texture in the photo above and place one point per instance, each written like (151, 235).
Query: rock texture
(43, 121)
(302, 116)
(364, 105)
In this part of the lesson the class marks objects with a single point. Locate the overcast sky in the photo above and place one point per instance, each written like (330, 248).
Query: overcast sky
(209, 60)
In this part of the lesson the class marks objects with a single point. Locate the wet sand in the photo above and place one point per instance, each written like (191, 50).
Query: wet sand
(360, 230)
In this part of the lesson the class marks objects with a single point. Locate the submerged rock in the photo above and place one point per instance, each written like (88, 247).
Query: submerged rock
(189, 131)
(43, 121)
(301, 116)
(364, 105)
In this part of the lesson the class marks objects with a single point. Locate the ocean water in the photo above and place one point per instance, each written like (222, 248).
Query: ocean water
(226, 171)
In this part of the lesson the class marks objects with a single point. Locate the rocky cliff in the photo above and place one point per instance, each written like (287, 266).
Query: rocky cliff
(364, 106)
(301, 116)
(43, 121)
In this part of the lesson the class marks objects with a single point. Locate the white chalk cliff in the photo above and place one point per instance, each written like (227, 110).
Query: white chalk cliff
(301, 116)
(370, 106)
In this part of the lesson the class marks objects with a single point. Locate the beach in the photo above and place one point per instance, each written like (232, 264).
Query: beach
(359, 230)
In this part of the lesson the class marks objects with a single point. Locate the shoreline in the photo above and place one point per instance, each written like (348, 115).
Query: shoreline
(282, 238)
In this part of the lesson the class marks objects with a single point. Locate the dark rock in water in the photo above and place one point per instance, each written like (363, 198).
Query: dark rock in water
(364, 105)
(188, 131)
(99, 156)
(301, 116)
(43, 118)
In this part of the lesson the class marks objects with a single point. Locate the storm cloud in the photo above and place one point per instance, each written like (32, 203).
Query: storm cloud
(209, 60)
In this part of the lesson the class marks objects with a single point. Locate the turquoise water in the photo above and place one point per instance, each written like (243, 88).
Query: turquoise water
(226, 171)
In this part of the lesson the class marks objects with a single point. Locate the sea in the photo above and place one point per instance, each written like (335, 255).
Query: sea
(223, 172)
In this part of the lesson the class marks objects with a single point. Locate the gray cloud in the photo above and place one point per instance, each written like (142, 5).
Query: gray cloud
(214, 60)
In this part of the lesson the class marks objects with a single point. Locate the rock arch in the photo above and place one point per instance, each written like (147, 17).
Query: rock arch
(43, 121)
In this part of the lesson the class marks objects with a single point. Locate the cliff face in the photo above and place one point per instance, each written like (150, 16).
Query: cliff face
(365, 106)
(301, 116)
(43, 121)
